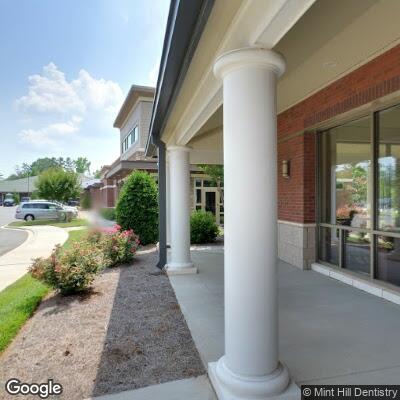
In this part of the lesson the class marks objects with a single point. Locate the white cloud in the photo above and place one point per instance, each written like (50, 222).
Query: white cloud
(51, 134)
(56, 107)
(52, 92)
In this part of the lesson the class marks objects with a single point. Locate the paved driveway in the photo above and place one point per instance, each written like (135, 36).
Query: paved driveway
(9, 239)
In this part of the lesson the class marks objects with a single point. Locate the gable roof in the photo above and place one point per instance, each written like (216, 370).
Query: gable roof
(134, 93)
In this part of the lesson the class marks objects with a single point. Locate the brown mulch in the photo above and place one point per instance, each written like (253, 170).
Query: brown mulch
(127, 332)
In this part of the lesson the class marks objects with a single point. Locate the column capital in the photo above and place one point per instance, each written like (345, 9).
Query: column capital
(249, 56)
(178, 148)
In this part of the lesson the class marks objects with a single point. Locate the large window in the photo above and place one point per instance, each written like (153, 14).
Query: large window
(130, 139)
(359, 196)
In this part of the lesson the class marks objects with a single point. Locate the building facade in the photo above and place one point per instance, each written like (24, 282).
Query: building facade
(301, 102)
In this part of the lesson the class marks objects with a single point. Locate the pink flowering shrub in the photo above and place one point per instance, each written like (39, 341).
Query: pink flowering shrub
(69, 270)
(119, 247)
(73, 269)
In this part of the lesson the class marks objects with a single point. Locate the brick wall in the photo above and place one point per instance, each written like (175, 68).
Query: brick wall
(377, 78)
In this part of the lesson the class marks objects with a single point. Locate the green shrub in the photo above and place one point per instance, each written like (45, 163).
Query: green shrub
(137, 207)
(118, 247)
(108, 213)
(86, 201)
(69, 270)
(203, 228)
(72, 269)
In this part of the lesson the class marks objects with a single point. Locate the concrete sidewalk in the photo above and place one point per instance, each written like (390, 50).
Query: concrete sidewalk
(40, 242)
(330, 333)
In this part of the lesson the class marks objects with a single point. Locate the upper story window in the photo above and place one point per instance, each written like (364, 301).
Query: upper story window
(130, 139)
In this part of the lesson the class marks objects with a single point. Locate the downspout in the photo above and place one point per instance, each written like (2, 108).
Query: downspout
(162, 202)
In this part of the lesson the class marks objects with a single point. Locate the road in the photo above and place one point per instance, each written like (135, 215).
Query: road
(9, 239)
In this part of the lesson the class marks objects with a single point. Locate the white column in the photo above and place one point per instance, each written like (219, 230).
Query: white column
(179, 185)
(168, 202)
(250, 368)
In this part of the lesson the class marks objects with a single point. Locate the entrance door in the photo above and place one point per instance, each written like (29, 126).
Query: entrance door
(211, 202)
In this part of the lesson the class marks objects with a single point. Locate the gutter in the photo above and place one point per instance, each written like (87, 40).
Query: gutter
(186, 22)
(185, 25)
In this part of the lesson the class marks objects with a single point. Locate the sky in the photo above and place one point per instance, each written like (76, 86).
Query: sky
(65, 69)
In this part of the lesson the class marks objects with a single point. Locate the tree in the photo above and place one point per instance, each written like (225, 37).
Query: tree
(97, 174)
(82, 165)
(42, 164)
(57, 184)
(216, 174)
(137, 207)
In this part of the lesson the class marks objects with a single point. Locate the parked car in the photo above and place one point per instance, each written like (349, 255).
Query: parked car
(25, 199)
(72, 210)
(8, 200)
(33, 210)
(73, 203)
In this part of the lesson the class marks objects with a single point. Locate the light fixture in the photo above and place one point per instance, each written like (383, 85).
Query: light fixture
(286, 168)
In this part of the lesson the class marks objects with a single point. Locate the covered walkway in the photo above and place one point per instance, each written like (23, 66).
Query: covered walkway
(330, 333)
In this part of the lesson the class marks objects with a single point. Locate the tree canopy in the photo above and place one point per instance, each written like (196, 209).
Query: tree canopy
(80, 165)
(58, 184)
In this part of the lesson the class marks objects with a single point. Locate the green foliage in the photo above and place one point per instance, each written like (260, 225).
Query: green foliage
(17, 303)
(16, 198)
(215, 172)
(73, 267)
(86, 201)
(67, 224)
(137, 207)
(70, 270)
(58, 184)
(203, 228)
(108, 213)
(82, 165)
(115, 246)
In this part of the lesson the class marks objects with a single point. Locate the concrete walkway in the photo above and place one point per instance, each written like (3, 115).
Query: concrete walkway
(40, 242)
(186, 389)
(330, 333)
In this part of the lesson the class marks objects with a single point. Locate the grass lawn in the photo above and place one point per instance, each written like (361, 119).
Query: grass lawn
(17, 303)
(19, 300)
(73, 223)
(74, 236)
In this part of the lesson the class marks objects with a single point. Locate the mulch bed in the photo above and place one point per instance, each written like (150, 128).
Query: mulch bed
(127, 332)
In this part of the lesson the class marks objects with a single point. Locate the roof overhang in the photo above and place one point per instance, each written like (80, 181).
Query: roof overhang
(180, 111)
(134, 94)
(185, 24)
(123, 168)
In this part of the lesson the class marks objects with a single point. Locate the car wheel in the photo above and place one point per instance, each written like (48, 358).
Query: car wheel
(29, 217)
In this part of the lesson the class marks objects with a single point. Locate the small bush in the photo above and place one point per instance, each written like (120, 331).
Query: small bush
(137, 207)
(72, 269)
(86, 201)
(108, 213)
(69, 270)
(203, 228)
(118, 247)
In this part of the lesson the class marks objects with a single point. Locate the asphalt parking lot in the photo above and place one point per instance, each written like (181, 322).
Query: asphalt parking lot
(9, 238)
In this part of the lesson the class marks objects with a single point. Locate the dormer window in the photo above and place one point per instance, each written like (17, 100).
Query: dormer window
(130, 139)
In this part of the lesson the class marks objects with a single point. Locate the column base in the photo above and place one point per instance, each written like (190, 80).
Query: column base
(230, 386)
(180, 268)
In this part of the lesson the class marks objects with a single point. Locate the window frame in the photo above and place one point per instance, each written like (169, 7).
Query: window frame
(130, 139)
(373, 230)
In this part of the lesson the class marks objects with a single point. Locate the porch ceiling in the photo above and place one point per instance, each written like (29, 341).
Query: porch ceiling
(326, 41)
